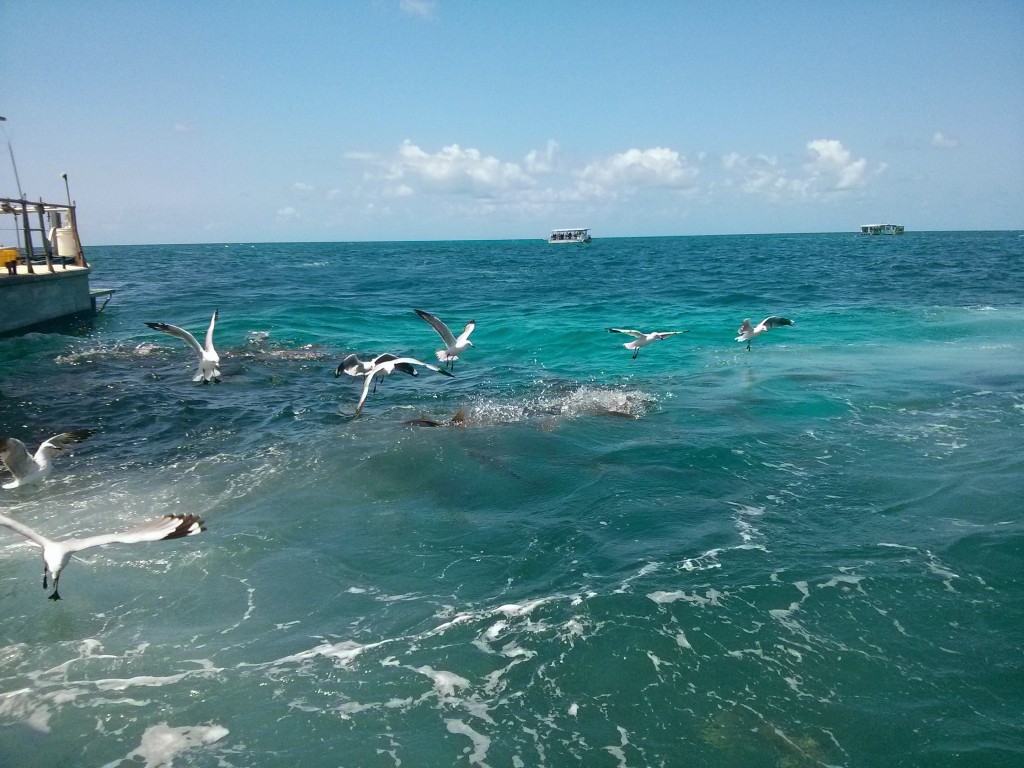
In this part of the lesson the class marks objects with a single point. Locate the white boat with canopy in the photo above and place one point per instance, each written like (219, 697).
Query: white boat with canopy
(881, 229)
(571, 235)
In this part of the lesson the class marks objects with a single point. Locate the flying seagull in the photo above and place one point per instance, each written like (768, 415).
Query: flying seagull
(208, 357)
(453, 346)
(31, 469)
(386, 368)
(353, 366)
(748, 331)
(643, 339)
(57, 554)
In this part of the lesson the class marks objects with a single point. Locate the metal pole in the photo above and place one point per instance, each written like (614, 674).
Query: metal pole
(14, 165)
(28, 236)
(47, 252)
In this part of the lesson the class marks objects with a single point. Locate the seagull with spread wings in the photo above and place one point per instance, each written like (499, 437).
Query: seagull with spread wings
(57, 554)
(643, 339)
(453, 346)
(209, 360)
(747, 332)
(353, 366)
(28, 468)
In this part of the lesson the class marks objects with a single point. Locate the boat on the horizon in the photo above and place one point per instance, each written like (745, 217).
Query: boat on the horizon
(881, 229)
(570, 235)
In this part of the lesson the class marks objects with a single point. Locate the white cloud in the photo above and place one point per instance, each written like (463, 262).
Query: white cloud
(941, 141)
(765, 176)
(424, 8)
(828, 167)
(288, 212)
(542, 162)
(657, 167)
(461, 182)
(454, 169)
(830, 162)
(402, 190)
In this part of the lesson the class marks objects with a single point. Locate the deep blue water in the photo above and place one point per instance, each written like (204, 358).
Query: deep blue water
(806, 554)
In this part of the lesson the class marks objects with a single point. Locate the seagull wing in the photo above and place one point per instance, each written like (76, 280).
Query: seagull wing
(638, 334)
(464, 336)
(428, 366)
(157, 529)
(775, 322)
(349, 365)
(181, 333)
(387, 357)
(440, 327)
(24, 530)
(62, 441)
(367, 381)
(666, 334)
(209, 331)
(16, 457)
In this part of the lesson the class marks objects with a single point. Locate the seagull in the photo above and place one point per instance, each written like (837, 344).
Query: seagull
(386, 368)
(454, 346)
(747, 331)
(353, 366)
(208, 357)
(31, 469)
(643, 339)
(57, 554)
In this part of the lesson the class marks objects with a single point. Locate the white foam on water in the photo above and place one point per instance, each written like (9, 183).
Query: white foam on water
(481, 743)
(582, 401)
(940, 569)
(663, 597)
(51, 691)
(703, 562)
(619, 752)
(162, 744)
(749, 534)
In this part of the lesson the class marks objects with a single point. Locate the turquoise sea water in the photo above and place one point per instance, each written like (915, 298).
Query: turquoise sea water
(807, 554)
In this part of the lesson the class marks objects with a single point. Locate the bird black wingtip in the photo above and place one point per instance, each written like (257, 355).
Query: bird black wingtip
(188, 524)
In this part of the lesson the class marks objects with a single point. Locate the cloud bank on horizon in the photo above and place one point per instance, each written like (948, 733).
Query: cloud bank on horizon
(824, 167)
(468, 182)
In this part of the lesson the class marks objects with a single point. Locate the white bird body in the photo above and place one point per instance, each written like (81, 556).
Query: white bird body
(353, 366)
(643, 339)
(453, 346)
(209, 360)
(27, 468)
(386, 368)
(747, 332)
(57, 554)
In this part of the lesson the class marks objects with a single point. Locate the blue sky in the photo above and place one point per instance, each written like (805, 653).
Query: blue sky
(225, 121)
